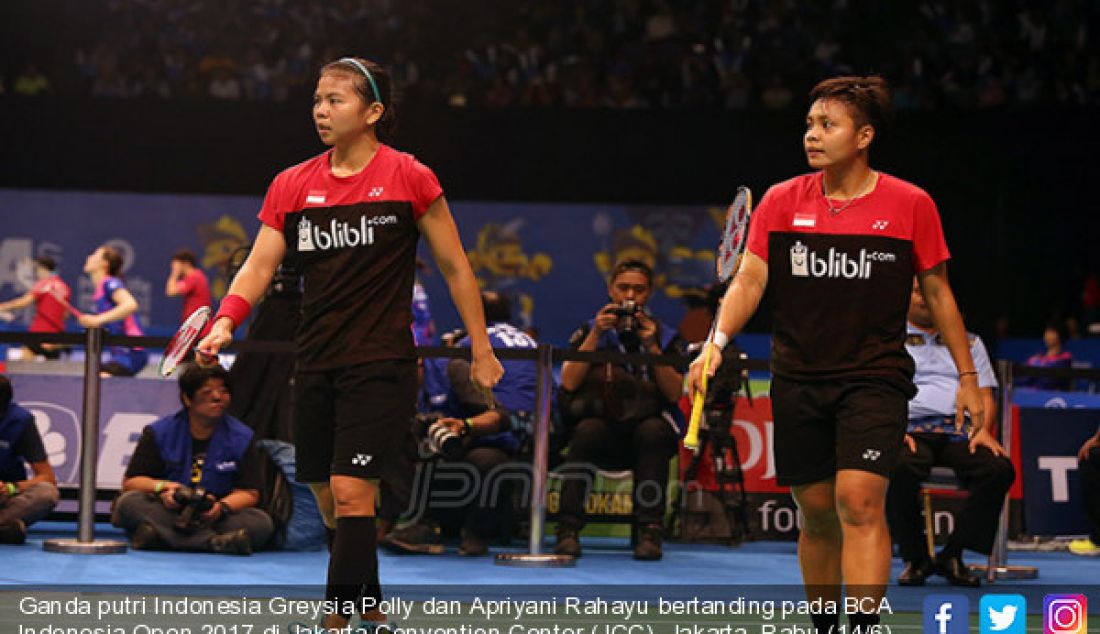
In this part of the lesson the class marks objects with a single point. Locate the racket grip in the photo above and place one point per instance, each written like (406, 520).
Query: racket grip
(691, 440)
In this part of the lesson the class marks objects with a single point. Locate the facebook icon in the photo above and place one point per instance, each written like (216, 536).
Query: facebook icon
(946, 614)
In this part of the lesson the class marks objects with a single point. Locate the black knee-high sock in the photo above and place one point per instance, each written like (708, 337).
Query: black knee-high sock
(826, 622)
(861, 622)
(353, 564)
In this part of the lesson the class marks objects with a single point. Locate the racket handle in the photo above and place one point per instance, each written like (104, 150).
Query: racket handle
(691, 439)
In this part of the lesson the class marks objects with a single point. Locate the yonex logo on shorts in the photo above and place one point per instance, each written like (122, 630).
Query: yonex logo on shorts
(872, 454)
(361, 459)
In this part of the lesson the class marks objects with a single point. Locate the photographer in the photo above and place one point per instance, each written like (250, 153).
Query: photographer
(23, 500)
(467, 430)
(194, 479)
(621, 416)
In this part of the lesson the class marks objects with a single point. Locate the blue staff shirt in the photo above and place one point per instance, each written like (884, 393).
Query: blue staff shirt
(932, 410)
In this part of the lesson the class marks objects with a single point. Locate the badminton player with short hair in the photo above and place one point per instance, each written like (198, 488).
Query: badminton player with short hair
(50, 294)
(187, 280)
(838, 248)
(351, 218)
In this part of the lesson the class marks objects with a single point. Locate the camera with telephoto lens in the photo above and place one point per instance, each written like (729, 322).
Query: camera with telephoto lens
(439, 439)
(193, 502)
(627, 324)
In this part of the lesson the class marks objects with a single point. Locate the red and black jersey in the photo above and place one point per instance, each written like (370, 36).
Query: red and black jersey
(354, 239)
(840, 283)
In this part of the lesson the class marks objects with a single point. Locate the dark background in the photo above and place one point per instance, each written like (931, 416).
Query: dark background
(1013, 186)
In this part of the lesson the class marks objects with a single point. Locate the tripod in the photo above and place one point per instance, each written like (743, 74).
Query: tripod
(726, 465)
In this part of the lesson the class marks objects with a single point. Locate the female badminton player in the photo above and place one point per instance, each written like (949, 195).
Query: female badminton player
(351, 218)
(839, 247)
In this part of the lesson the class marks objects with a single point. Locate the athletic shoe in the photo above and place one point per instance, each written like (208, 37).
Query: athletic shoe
(569, 542)
(417, 538)
(1084, 547)
(649, 543)
(145, 537)
(233, 543)
(472, 545)
(13, 532)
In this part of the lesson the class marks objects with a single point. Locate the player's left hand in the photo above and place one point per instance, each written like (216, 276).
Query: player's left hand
(982, 438)
(969, 402)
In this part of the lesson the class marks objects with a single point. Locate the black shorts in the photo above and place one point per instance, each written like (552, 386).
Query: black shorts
(352, 421)
(825, 426)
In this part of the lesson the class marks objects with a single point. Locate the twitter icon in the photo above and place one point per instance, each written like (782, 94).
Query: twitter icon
(1003, 614)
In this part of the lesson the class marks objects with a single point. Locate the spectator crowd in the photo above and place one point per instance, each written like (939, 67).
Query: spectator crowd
(584, 53)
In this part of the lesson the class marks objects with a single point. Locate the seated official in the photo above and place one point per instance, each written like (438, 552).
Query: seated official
(973, 453)
(467, 430)
(193, 482)
(1088, 458)
(621, 416)
(23, 500)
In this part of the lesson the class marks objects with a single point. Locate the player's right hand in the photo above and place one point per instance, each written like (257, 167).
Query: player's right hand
(220, 336)
(695, 372)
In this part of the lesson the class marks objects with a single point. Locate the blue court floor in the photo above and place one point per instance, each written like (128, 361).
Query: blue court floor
(770, 567)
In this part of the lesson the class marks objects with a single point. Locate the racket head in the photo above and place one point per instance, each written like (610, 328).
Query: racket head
(735, 234)
(184, 341)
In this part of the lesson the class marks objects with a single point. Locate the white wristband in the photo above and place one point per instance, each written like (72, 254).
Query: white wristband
(720, 339)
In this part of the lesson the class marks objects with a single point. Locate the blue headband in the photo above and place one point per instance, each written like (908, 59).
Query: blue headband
(363, 69)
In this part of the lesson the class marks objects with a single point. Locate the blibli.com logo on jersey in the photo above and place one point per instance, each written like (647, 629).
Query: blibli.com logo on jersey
(338, 235)
(806, 263)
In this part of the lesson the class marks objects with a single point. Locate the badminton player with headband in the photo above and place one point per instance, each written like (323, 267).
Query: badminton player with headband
(351, 218)
(839, 247)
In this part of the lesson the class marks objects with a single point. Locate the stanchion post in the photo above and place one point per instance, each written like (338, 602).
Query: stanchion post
(539, 469)
(89, 451)
(998, 567)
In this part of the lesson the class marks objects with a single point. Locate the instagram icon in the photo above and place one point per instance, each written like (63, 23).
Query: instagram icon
(1065, 614)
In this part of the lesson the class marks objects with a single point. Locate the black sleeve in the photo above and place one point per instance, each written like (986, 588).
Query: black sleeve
(146, 459)
(29, 445)
(249, 476)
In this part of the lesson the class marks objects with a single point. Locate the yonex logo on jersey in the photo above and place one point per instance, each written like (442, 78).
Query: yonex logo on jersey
(880, 225)
(806, 263)
(375, 192)
(339, 234)
(872, 454)
(361, 460)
